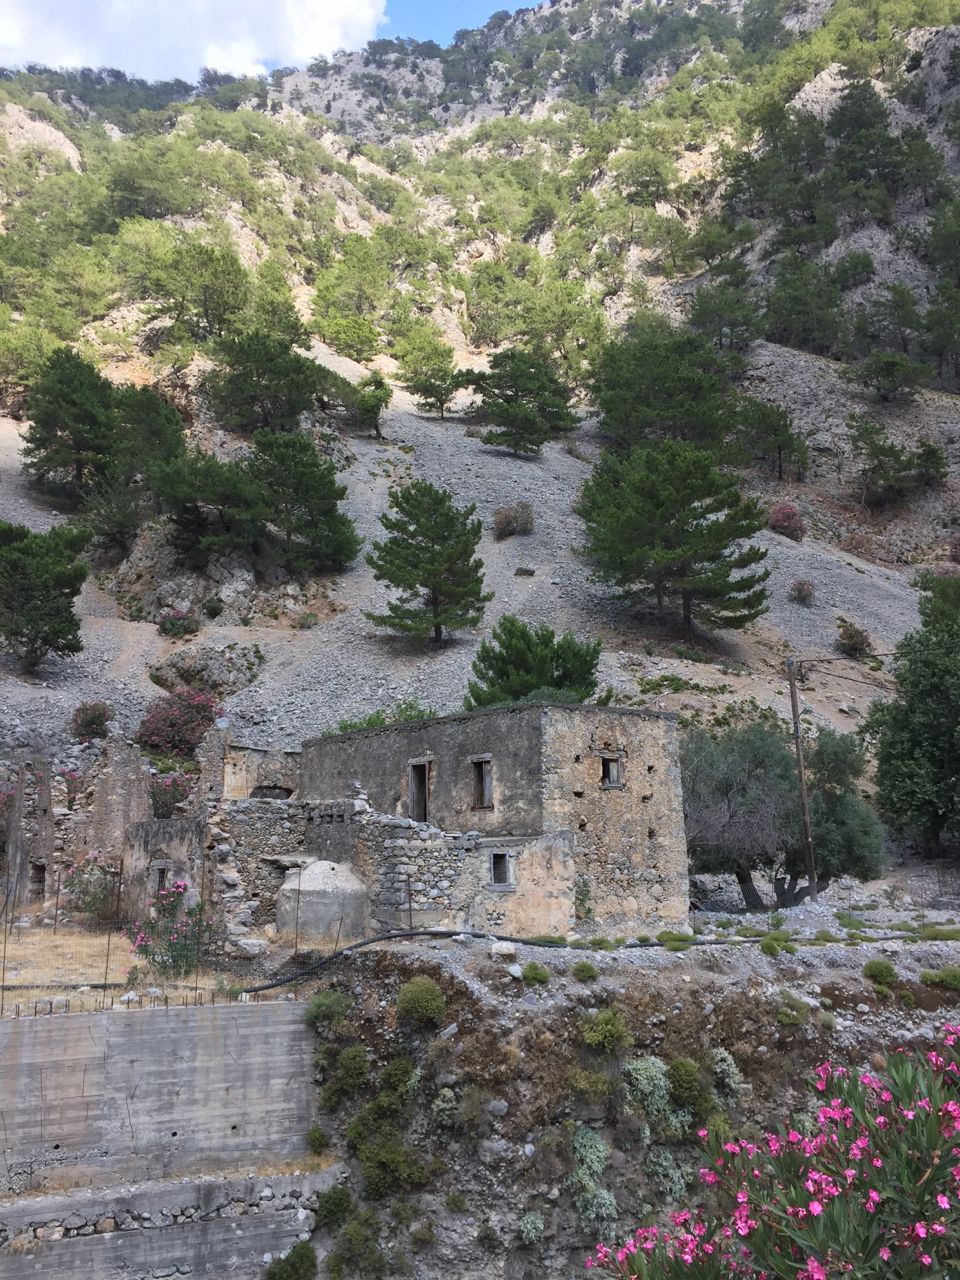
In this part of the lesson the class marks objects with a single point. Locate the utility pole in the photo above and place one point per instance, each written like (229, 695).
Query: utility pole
(804, 804)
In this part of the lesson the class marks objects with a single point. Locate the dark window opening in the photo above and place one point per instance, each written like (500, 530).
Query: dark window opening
(271, 793)
(649, 768)
(38, 880)
(500, 868)
(482, 784)
(161, 879)
(419, 791)
(611, 771)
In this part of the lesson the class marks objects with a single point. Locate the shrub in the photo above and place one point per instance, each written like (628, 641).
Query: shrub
(349, 1077)
(176, 723)
(168, 791)
(592, 1085)
(178, 624)
(299, 1264)
(881, 972)
(852, 641)
(512, 520)
(388, 1167)
(421, 1001)
(802, 591)
(91, 887)
(357, 1254)
(584, 971)
(212, 606)
(784, 518)
(333, 1206)
(89, 721)
(605, 1031)
(535, 975)
(948, 976)
(170, 938)
(306, 621)
(769, 947)
(327, 1007)
(687, 1090)
(318, 1140)
(530, 1227)
(727, 1076)
(878, 1196)
(793, 1012)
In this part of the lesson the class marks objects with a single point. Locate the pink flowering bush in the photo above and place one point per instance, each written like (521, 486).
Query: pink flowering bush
(90, 720)
(175, 724)
(170, 939)
(872, 1193)
(784, 518)
(169, 790)
(73, 781)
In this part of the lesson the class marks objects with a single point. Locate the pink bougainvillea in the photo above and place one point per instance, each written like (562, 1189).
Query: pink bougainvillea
(870, 1192)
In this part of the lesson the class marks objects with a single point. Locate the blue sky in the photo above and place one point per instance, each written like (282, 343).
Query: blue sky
(159, 39)
(435, 20)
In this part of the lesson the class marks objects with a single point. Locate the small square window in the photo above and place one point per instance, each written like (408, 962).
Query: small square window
(499, 868)
(161, 879)
(611, 771)
(482, 784)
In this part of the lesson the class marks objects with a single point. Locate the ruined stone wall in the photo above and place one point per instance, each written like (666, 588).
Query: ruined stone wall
(423, 876)
(252, 844)
(631, 847)
(248, 769)
(202, 1227)
(379, 761)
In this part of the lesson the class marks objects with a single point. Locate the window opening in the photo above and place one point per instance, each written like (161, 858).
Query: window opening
(419, 791)
(611, 771)
(161, 879)
(483, 784)
(500, 868)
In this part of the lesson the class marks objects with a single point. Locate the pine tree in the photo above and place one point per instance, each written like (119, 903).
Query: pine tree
(430, 559)
(72, 435)
(372, 395)
(39, 577)
(300, 490)
(264, 384)
(665, 521)
(525, 399)
(519, 662)
(428, 371)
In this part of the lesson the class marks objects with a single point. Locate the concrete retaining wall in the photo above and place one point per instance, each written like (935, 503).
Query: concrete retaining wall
(93, 1099)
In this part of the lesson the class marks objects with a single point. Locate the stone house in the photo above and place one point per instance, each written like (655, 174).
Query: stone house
(519, 819)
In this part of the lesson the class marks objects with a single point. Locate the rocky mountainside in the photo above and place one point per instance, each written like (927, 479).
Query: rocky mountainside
(779, 177)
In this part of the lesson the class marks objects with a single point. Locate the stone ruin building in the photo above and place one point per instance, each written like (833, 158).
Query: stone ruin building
(526, 820)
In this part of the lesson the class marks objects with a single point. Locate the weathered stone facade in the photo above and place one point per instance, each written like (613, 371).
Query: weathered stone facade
(506, 818)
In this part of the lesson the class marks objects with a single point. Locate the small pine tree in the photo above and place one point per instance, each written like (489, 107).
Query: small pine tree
(525, 400)
(666, 521)
(373, 394)
(39, 577)
(72, 435)
(430, 559)
(519, 662)
(428, 371)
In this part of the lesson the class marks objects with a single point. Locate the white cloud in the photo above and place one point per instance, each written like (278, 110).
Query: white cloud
(159, 39)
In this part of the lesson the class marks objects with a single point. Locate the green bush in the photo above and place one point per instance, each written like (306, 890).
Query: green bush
(421, 1001)
(89, 721)
(389, 1167)
(530, 1227)
(948, 976)
(327, 1007)
(687, 1090)
(592, 1085)
(299, 1264)
(333, 1206)
(769, 948)
(880, 972)
(318, 1140)
(357, 1254)
(535, 975)
(605, 1031)
(584, 971)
